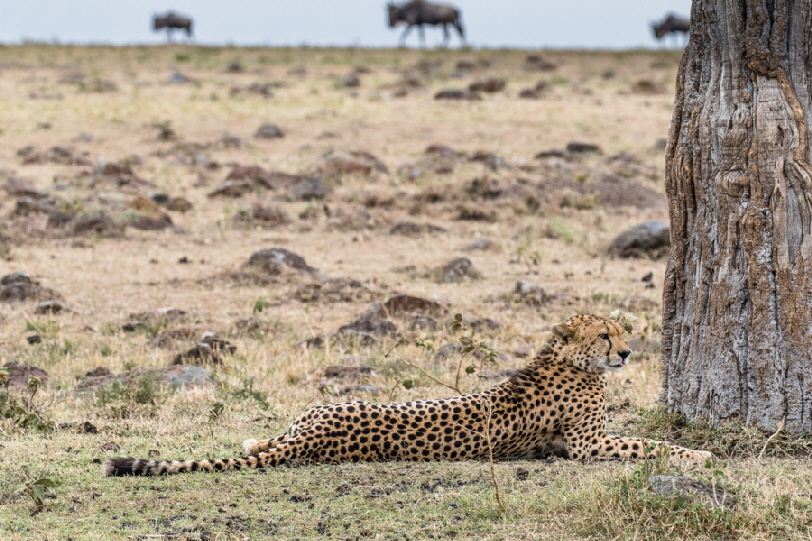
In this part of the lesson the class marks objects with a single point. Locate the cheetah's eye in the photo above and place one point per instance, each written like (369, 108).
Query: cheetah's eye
(603, 336)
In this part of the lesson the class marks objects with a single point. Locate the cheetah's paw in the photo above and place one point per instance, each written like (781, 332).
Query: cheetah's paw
(250, 447)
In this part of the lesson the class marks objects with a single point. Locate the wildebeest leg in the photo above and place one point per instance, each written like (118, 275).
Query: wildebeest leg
(458, 25)
(422, 35)
(405, 33)
(446, 35)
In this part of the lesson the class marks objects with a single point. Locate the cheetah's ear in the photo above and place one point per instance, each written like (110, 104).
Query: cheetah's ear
(562, 332)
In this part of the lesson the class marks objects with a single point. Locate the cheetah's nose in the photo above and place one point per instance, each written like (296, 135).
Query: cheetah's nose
(624, 353)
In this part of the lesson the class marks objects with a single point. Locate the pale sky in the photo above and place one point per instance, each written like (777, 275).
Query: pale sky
(613, 24)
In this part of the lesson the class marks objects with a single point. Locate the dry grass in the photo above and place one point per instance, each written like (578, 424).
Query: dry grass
(559, 245)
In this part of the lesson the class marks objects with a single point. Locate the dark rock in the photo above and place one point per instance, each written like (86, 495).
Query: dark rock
(269, 131)
(179, 204)
(274, 261)
(262, 215)
(95, 222)
(413, 229)
(487, 84)
(310, 189)
(649, 238)
(21, 292)
(482, 243)
(348, 371)
(18, 186)
(19, 374)
(16, 278)
(457, 95)
(98, 371)
(178, 78)
(529, 94)
(50, 307)
(673, 486)
(537, 62)
(179, 376)
(351, 80)
(359, 389)
(645, 86)
(458, 269)
(575, 147)
(361, 162)
(479, 325)
(401, 305)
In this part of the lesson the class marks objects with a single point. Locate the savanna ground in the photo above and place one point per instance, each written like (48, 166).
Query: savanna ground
(549, 222)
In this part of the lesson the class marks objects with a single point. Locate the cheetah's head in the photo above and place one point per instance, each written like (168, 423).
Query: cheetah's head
(592, 343)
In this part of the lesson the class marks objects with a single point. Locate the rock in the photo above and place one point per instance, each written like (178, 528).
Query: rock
(18, 186)
(269, 131)
(310, 189)
(262, 215)
(19, 374)
(168, 337)
(487, 84)
(479, 325)
(351, 80)
(457, 95)
(423, 324)
(457, 269)
(23, 292)
(529, 94)
(17, 278)
(523, 352)
(95, 222)
(537, 62)
(673, 486)
(275, 261)
(235, 67)
(575, 147)
(645, 86)
(50, 307)
(178, 78)
(639, 303)
(491, 160)
(522, 474)
(179, 204)
(482, 243)
(376, 327)
(360, 162)
(208, 350)
(332, 290)
(348, 371)
(650, 238)
(359, 389)
(412, 229)
(447, 351)
(178, 376)
(402, 305)
(98, 371)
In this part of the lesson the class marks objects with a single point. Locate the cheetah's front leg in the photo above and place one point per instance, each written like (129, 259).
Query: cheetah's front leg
(607, 447)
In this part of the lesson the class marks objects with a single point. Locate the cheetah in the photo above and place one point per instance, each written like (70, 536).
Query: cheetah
(554, 406)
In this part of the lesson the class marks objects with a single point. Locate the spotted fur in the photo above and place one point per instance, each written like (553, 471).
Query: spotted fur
(556, 405)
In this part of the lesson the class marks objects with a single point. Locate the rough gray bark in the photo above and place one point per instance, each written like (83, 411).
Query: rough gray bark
(737, 322)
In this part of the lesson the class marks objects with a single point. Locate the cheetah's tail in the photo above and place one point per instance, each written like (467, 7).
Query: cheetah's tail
(118, 467)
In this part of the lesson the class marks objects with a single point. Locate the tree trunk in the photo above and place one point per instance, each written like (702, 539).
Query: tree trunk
(737, 321)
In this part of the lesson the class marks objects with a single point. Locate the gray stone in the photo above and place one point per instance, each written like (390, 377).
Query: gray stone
(269, 131)
(673, 486)
(649, 238)
(310, 189)
(19, 374)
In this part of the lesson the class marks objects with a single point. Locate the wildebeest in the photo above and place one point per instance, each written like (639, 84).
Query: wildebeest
(419, 12)
(171, 21)
(671, 25)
